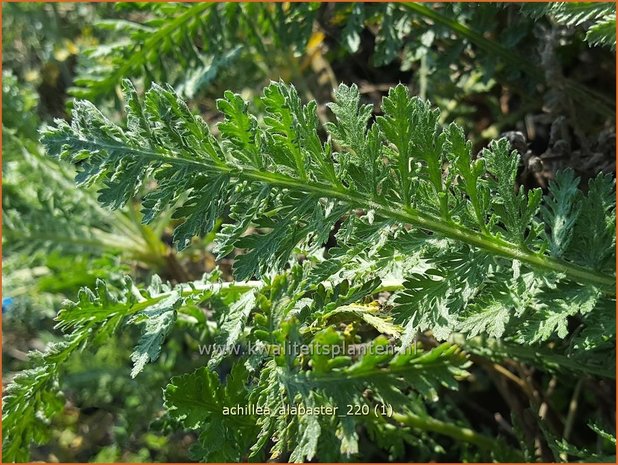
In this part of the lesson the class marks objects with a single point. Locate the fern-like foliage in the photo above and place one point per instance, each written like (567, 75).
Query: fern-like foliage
(32, 399)
(394, 168)
(271, 316)
(320, 220)
(189, 45)
(482, 257)
(280, 386)
(502, 261)
(51, 225)
(142, 48)
(34, 396)
(597, 18)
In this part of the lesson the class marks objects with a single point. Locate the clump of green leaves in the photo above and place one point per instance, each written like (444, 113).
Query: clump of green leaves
(394, 169)
(460, 247)
(403, 169)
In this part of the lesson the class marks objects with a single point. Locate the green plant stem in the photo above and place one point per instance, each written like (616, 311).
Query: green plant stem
(406, 215)
(446, 228)
(243, 286)
(498, 351)
(338, 377)
(447, 429)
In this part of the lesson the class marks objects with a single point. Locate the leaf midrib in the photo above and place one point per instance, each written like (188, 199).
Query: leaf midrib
(406, 215)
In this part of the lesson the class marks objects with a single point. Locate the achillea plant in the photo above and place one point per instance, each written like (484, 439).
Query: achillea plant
(460, 251)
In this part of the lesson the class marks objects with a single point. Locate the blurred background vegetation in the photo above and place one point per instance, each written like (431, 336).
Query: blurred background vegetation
(541, 74)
